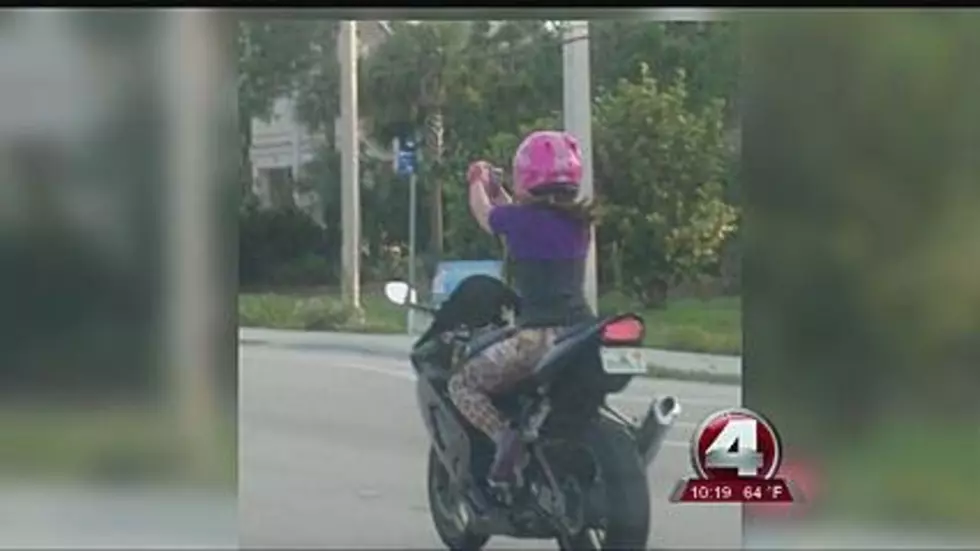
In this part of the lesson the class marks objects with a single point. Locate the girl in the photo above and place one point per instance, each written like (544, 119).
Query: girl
(547, 232)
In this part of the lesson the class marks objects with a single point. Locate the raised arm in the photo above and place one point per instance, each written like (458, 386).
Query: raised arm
(478, 176)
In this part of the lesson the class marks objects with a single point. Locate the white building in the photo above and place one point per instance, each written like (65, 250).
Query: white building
(282, 146)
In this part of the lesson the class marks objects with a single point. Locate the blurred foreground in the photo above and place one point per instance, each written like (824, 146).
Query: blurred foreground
(862, 302)
(118, 361)
(71, 517)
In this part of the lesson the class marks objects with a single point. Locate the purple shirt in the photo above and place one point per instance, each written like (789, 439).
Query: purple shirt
(538, 233)
(548, 251)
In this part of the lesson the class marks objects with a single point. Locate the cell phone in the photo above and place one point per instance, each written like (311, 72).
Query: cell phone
(496, 178)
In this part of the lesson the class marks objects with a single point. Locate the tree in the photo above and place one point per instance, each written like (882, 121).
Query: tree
(708, 52)
(659, 168)
(273, 57)
(405, 88)
(514, 82)
(461, 84)
(514, 77)
(317, 87)
(478, 87)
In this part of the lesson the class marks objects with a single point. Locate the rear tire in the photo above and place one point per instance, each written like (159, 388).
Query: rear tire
(449, 515)
(627, 499)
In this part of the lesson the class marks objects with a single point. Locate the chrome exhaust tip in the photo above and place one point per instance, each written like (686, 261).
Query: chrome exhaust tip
(653, 430)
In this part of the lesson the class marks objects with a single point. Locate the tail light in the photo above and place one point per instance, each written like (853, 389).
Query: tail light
(624, 331)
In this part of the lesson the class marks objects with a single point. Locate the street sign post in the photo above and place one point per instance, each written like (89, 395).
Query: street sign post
(405, 165)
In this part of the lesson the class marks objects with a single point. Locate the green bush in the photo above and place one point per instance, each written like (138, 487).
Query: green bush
(663, 179)
(307, 270)
(281, 247)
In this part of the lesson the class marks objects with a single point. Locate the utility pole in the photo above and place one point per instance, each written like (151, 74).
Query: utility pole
(350, 197)
(577, 111)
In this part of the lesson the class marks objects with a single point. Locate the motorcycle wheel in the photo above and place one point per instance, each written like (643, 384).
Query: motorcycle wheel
(449, 514)
(627, 498)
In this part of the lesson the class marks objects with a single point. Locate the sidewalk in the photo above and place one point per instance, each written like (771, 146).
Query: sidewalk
(663, 363)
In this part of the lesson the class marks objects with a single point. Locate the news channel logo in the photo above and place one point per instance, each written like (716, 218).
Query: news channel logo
(736, 455)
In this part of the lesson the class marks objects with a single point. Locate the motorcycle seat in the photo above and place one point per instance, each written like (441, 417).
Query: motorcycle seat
(555, 360)
(545, 368)
(573, 330)
(491, 337)
(487, 339)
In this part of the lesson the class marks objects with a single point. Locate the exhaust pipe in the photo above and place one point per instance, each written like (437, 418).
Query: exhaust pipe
(653, 430)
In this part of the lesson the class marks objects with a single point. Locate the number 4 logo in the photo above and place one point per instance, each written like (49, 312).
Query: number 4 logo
(735, 448)
(735, 444)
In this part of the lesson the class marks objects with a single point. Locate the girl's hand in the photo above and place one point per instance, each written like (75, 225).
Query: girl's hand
(479, 173)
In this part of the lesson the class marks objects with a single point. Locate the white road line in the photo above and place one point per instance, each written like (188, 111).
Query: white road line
(404, 375)
(630, 397)
(411, 377)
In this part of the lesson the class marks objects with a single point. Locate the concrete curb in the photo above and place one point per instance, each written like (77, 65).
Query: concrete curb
(665, 364)
(660, 372)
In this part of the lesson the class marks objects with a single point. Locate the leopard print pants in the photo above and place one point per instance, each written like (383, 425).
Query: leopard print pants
(494, 371)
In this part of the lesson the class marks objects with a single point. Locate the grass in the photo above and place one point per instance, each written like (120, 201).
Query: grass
(309, 310)
(694, 325)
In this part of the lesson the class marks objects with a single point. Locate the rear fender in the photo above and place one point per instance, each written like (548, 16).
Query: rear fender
(447, 433)
(570, 345)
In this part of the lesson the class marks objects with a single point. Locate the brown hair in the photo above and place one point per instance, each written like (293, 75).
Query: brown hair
(564, 201)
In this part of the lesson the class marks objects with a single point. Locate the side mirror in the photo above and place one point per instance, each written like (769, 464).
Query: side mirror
(398, 292)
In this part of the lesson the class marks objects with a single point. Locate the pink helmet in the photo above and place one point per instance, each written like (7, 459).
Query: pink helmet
(546, 158)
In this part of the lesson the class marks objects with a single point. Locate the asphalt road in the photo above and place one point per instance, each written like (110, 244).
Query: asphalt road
(333, 455)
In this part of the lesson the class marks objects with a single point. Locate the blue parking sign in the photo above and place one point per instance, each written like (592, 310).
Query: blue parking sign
(405, 161)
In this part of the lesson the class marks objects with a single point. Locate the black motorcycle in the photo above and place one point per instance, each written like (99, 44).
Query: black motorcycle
(583, 478)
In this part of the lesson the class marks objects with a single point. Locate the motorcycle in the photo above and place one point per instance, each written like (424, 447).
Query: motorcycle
(582, 480)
